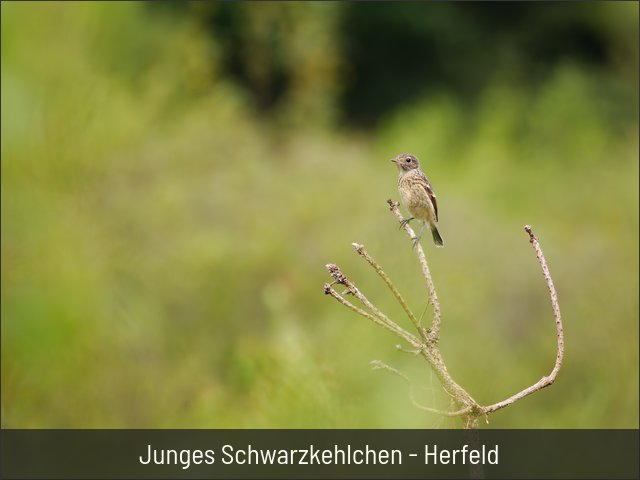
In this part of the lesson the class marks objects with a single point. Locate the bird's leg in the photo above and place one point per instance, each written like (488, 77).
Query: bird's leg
(405, 221)
(417, 239)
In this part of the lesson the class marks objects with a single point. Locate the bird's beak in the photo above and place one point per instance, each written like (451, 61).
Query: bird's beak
(393, 160)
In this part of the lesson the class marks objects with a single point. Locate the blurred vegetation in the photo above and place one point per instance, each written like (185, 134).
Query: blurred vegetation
(175, 177)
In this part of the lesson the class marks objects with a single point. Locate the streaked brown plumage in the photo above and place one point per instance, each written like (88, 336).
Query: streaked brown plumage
(417, 195)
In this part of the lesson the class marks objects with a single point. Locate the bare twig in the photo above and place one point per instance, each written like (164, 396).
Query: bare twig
(433, 296)
(381, 318)
(402, 349)
(330, 291)
(363, 253)
(379, 365)
(548, 380)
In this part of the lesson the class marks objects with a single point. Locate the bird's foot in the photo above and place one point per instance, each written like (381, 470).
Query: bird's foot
(405, 221)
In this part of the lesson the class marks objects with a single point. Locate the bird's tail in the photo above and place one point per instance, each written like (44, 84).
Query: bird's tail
(437, 239)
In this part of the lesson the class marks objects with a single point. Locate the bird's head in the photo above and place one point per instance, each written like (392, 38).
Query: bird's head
(406, 162)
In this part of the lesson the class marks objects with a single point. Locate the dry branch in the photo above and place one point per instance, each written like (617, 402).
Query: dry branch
(427, 345)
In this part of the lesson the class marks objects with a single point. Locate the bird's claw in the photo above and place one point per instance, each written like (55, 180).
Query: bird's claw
(405, 221)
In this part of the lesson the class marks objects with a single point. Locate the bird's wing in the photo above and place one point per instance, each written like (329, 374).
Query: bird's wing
(432, 196)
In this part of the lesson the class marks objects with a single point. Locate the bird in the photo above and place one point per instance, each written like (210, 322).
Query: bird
(417, 196)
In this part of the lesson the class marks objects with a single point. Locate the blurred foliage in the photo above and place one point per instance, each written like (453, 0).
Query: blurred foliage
(175, 177)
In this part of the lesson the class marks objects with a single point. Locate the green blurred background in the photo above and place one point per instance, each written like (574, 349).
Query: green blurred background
(176, 176)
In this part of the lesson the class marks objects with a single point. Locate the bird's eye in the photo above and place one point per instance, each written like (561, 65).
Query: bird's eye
(408, 160)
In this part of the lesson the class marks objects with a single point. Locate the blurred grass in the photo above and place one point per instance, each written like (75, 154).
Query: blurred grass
(163, 245)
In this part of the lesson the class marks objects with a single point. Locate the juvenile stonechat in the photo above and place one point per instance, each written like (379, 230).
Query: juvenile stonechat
(417, 195)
